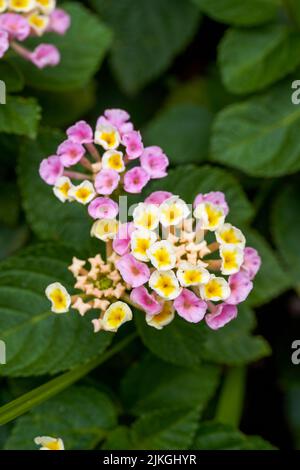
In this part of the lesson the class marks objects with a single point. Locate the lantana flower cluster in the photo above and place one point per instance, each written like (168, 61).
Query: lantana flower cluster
(108, 160)
(171, 258)
(20, 19)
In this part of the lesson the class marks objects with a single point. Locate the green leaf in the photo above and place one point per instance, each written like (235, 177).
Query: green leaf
(82, 50)
(176, 126)
(187, 181)
(147, 37)
(250, 60)
(216, 436)
(286, 228)
(239, 12)
(48, 217)
(20, 116)
(165, 430)
(38, 341)
(117, 439)
(271, 280)
(259, 136)
(173, 386)
(180, 342)
(293, 10)
(233, 344)
(81, 416)
(11, 76)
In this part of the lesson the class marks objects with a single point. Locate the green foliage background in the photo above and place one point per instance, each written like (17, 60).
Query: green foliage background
(209, 81)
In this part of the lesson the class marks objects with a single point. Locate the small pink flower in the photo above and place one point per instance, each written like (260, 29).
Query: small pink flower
(240, 287)
(103, 208)
(133, 144)
(60, 21)
(116, 117)
(145, 301)
(215, 197)
(158, 197)
(223, 314)
(190, 307)
(134, 272)
(135, 180)
(45, 55)
(121, 243)
(252, 261)
(155, 162)
(4, 42)
(106, 181)
(70, 153)
(15, 25)
(51, 169)
(80, 133)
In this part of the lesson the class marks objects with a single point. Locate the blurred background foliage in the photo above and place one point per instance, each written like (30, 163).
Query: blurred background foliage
(211, 82)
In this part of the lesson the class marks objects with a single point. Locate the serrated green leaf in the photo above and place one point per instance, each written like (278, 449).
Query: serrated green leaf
(11, 76)
(176, 126)
(259, 136)
(165, 430)
(48, 217)
(286, 228)
(271, 279)
(82, 50)
(38, 341)
(147, 36)
(81, 416)
(215, 436)
(239, 12)
(173, 386)
(187, 181)
(233, 344)
(20, 116)
(251, 60)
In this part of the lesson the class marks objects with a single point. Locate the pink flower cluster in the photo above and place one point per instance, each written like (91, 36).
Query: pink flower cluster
(105, 162)
(20, 19)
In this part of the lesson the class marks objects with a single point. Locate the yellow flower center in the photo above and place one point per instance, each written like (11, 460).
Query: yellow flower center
(109, 138)
(58, 299)
(229, 236)
(53, 445)
(116, 317)
(83, 193)
(115, 162)
(162, 257)
(172, 213)
(192, 276)
(64, 188)
(142, 245)
(213, 289)
(165, 285)
(37, 21)
(229, 259)
(213, 216)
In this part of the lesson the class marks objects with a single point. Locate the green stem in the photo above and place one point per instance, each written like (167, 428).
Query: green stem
(42, 393)
(230, 406)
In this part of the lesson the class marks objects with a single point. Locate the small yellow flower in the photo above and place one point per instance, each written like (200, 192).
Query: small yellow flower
(162, 255)
(216, 289)
(113, 160)
(163, 318)
(141, 241)
(107, 136)
(49, 443)
(104, 229)
(3, 5)
(116, 314)
(83, 193)
(230, 235)
(62, 188)
(46, 6)
(173, 211)
(210, 216)
(191, 275)
(21, 5)
(232, 258)
(165, 284)
(38, 23)
(146, 216)
(59, 298)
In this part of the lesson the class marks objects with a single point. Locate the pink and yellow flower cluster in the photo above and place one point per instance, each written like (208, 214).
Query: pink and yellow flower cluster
(20, 19)
(104, 159)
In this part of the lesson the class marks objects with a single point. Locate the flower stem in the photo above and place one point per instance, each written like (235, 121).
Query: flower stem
(109, 249)
(76, 175)
(230, 406)
(93, 151)
(22, 51)
(21, 405)
(213, 247)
